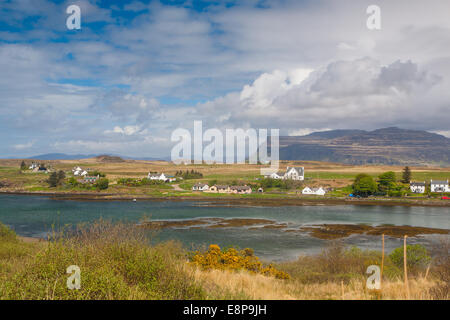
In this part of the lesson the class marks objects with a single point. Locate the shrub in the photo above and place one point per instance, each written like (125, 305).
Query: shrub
(97, 173)
(116, 262)
(416, 257)
(189, 174)
(232, 259)
(6, 234)
(102, 184)
(56, 178)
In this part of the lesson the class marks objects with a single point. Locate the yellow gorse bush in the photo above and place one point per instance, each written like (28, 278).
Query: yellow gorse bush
(232, 259)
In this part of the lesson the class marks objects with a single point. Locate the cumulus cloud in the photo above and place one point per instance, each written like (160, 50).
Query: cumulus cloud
(360, 93)
(132, 76)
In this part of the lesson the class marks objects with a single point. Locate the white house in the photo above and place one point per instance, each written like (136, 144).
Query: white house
(292, 173)
(200, 187)
(417, 187)
(315, 191)
(295, 173)
(81, 173)
(275, 175)
(33, 165)
(439, 186)
(157, 176)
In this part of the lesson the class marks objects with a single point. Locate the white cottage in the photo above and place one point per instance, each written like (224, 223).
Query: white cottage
(417, 187)
(157, 176)
(200, 187)
(439, 186)
(295, 173)
(291, 173)
(314, 191)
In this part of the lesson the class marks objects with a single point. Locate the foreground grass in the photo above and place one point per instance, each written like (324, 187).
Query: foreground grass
(117, 262)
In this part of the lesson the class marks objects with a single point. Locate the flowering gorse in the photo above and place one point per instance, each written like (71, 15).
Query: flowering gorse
(232, 259)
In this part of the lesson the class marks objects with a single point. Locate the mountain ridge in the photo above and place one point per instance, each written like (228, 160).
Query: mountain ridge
(392, 145)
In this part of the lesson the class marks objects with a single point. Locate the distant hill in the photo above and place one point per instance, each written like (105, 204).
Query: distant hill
(392, 146)
(107, 158)
(63, 156)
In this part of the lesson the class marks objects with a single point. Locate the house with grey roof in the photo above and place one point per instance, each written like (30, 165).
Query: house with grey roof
(417, 187)
(291, 173)
(200, 187)
(241, 189)
(439, 186)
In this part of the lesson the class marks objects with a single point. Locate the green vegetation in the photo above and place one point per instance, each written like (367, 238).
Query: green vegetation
(386, 182)
(118, 261)
(131, 182)
(189, 174)
(364, 185)
(406, 175)
(416, 257)
(269, 183)
(102, 184)
(23, 166)
(56, 179)
(97, 173)
(232, 259)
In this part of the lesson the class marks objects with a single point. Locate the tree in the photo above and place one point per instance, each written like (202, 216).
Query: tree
(23, 165)
(56, 178)
(386, 182)
(61, 176)
(53, 180)
(406, 175)
(102, 184)
(364, 185)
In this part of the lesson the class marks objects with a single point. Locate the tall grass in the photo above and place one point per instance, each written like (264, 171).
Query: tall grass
(117, 261)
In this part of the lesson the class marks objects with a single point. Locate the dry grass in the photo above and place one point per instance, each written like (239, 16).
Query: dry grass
(118, 262)
(257, 287)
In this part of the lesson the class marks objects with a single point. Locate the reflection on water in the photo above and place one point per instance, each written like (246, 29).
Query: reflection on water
(35, 215)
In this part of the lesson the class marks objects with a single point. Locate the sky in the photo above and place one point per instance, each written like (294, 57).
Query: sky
(137, 70)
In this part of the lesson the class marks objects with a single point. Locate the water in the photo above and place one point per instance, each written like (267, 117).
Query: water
(34, 216)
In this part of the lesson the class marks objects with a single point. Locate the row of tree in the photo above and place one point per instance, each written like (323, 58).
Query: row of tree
(189, 174)
(386, 184)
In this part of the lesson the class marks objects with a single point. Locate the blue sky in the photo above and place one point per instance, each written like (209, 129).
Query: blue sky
(137, 70)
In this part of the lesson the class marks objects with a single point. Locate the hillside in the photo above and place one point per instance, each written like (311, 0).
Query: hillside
(391, 146)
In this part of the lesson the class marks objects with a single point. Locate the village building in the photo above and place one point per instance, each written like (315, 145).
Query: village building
(90, 179)
(314, 191)
(157, 176)
(33, 166)
(240, 189)
(291, 173)
(295, 173)
(40, 169)
(439, 186)
(223, 189)
(200, 187)
(160, 177)
(79, 172)
(417, 187)
(213, 189)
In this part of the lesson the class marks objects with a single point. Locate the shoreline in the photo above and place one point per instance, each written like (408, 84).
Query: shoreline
(239, 201)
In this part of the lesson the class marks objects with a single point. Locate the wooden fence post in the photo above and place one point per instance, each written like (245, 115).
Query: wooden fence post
(382, 259)
(405, 267)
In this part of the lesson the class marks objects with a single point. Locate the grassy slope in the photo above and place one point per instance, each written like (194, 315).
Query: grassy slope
(117, 262)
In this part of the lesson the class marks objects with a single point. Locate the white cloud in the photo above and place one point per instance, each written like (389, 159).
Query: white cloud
(106, 87)
(23, 146)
